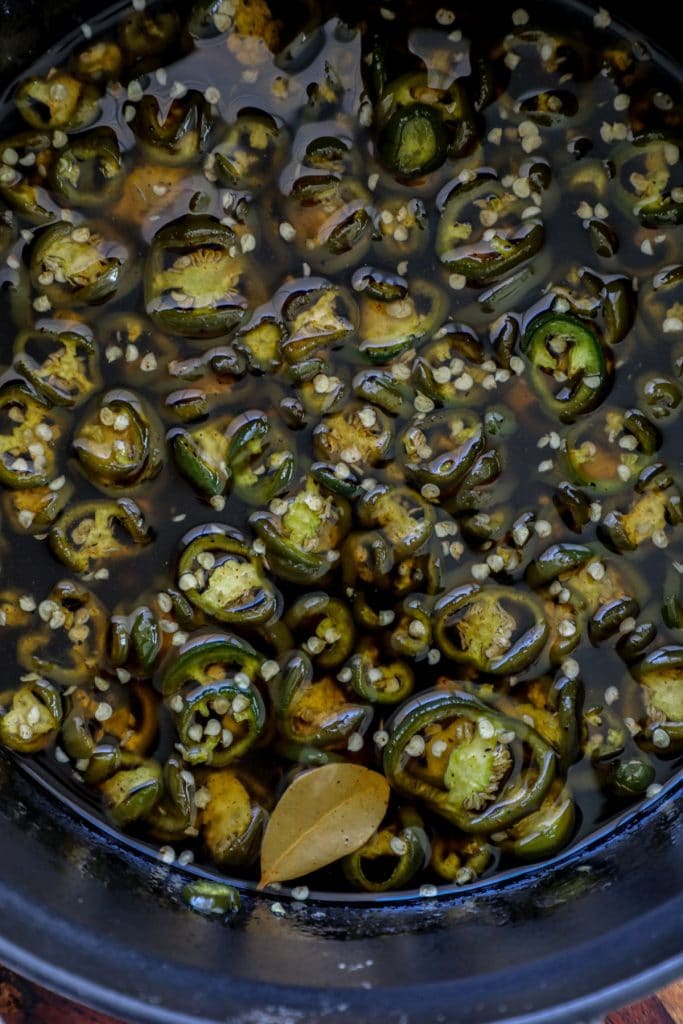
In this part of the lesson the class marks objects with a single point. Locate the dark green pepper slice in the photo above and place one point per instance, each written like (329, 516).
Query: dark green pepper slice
(317, 316)
(391, 326)
(331, 219)
(661, 395)
(260, 458)
(58, 100)
(26, 161)
(174, 817)
(495, 629)
(219, 722)
(413, 141)
(100, 62)
(568, 364)
(660, 675)
(545, 831)
(378, 680)
(132, 792)
(146, 34)
(194, 278)
(323, 627)
(391, 857)
(219, 573)
(303, 532)
(88, 171)
(29, 435)
(60, 360)
(479, 253)
(89, 533)
(31, 717)
(69, 644)
(34, 509)
(359, 436)
(173, 133)
(208, 657)
(201, 456)
(624, 777)
(316, 711)
(464, 760)
(386, 389)
(459, 859)
(135, 641)
(656, 505)
(250, 152)
(440, 448)
(118, 444)
(77, 266)
(232, 818)
(404, 517)
(605, 451)
(647, 178)
(260, 340)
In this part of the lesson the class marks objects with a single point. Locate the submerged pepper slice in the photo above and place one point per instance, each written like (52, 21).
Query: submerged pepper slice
(79, 266)
(568, 364)
(316, 712)
(194, 278)
(173, 133)
(323, 627)
(392, 324)
(495, 629)
(233, 817)
(220, 721)
(58, 101)
(69, 644)
(29, 436)
(89, 533)
(440, 448)
(483, 255)
(209, 656)
(219, 573)
(88, 171)
(391, 857)
(60, 360)
(303, 532)
(545, 831)
(660, 675)
(30, 717)
(119, 444)
(462, 758)
(22, 179)
(259, 454)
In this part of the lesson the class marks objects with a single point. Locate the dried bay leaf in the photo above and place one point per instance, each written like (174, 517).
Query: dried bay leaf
(326, 813)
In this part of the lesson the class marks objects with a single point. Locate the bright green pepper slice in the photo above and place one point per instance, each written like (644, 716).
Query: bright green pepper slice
(194, 278)
(465, 770)
(208, 657)
(31, 717)
(391, 857)
(568, 364)
(219, 574)
(496, 630)
(87, 534)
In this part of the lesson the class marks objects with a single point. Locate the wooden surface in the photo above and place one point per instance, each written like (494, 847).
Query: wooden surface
(23, 1003)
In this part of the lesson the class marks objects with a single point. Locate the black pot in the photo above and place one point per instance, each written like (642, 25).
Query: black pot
(96, 920)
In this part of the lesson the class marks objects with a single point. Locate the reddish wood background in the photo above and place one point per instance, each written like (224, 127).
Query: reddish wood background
(23, 1003)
